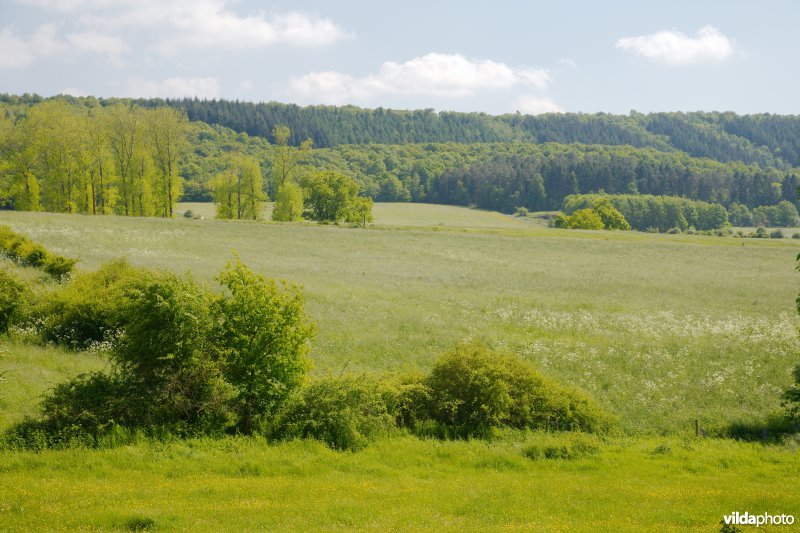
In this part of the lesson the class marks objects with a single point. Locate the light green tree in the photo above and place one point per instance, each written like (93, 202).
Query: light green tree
(360, 211)
(286, 158)
(263, 338)
(167, 135)
(611, 217)
(124, 139)
(238, 190)
(585, 219)
(329, 196)
(288, 203)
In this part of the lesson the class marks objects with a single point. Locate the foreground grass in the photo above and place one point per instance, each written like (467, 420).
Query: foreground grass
(399, 483)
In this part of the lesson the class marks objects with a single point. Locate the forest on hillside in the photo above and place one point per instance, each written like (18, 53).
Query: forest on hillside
(72, 155)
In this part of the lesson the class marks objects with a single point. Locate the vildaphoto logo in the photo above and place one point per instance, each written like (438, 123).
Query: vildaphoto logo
(747, 519)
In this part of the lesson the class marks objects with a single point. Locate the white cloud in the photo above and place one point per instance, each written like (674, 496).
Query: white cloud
(709, 45)
(567, 62)
(16, 52)
(111, 46)
(443, 75)
(536, 105)
(172, 88)
(20, 51)
(112, 28)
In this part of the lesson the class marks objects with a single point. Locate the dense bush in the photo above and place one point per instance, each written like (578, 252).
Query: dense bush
(261, 336)
(346, 413)
(580, 219)
(13, 295)
(474, 389)
(87, 310)
(186, 361)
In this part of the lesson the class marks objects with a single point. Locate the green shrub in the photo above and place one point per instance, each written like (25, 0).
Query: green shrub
(611, 217)
(262, 336)
(13, 295)
(474, 389)
(87, 310)
(27, 252)
(776, 234)
(58, 267)
(346, 413)
(585, 219)
(408, 399)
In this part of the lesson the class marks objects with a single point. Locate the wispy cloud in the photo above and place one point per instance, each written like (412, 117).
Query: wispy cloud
(441, 75)
(19, 51)
(709, 45)
(536, 105)
(112, 28)
(172, 88)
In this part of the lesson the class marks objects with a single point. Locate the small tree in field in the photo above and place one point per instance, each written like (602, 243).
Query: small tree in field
(329, 196)
(262, 338)
(360, 211)
(288, 203)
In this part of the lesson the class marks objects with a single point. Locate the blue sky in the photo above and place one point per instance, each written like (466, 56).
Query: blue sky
(496, 57)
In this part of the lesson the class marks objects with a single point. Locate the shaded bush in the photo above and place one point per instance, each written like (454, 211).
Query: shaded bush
(474, 389)
(14, 293)
(26, 252)
(346, 413)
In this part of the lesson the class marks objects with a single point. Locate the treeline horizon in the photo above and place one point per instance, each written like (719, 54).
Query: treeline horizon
(765, 139)
(498, 175)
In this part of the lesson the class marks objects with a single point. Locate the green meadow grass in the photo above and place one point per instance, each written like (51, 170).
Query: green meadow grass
(666, 484)
(661, 329)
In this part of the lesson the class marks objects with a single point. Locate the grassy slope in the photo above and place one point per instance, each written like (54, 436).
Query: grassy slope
(662, 329)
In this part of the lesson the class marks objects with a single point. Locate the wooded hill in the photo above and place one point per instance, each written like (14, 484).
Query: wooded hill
(495, 162)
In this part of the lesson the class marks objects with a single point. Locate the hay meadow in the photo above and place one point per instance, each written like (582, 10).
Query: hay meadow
(661, 330)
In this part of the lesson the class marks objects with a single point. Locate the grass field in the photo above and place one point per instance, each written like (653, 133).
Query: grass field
(400, 483)
(660, 329)
(400, 214)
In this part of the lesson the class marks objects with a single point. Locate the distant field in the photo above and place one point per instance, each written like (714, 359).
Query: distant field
(787, 232)
(402, 214)
(661, 329)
